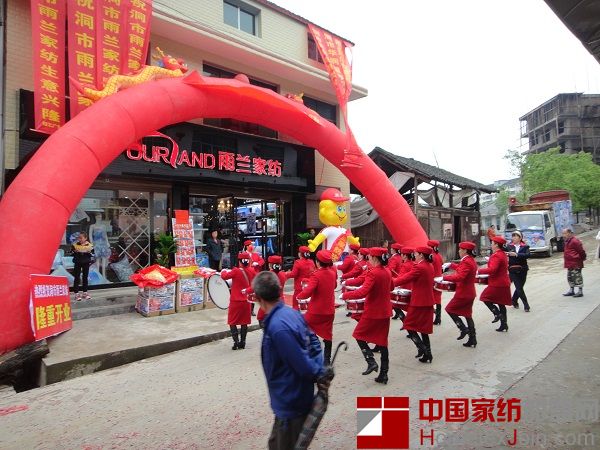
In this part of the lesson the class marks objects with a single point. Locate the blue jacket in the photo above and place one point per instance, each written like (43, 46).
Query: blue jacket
(292, 361)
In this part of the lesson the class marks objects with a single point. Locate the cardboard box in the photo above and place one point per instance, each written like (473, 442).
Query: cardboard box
(191, 293)
(156, 301)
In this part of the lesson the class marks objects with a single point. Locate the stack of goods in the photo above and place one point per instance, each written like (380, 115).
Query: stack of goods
(190, 292)
(156, 296)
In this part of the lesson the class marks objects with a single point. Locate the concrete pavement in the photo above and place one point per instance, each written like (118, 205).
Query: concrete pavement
(209, 397)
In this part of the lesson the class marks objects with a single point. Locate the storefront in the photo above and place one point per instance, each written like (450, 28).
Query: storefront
(244, 186)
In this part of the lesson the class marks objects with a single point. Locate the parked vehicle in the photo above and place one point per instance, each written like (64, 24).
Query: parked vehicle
(541, 220)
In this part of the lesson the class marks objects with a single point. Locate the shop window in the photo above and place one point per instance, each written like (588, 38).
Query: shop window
(237, 125)
(313, 50)
(561, 127)
(546, 135)
(241, 16)
(325, 110)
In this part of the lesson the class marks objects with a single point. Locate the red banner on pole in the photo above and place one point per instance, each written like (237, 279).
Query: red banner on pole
(139, 13)
(48, 38)
(111, 22)
(82, 49)
(50, 306)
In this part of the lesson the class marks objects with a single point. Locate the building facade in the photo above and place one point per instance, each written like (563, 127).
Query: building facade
(133, 199)
(569, 121)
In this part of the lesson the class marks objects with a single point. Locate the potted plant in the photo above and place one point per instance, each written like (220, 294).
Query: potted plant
(165, 247)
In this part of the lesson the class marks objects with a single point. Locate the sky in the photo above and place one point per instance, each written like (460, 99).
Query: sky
(448, 80)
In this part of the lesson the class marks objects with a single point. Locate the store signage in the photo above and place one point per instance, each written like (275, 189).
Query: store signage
(50, 306)
(225, 160)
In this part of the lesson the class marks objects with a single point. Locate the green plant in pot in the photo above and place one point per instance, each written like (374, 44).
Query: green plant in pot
(165, 247)
(302, 239)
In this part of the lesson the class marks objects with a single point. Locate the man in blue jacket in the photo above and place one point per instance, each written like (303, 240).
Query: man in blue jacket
(292, 360)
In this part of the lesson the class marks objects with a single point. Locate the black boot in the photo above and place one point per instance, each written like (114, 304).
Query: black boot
(414, 336)
(348, 314)
(461, 326)
(579, 293)
(569, 293)
(244, 332)
(368, 355)
(252, 310)
(385, 364)
(397, 312)
(438, 315)
(427, 357)
(526, 307)
(326, 352)
(234, 336)
(472, 342)
(503, 319)
(494, 309)
(376, 349)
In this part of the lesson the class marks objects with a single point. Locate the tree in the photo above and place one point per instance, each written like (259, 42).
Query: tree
(502, 201)
(575, 173)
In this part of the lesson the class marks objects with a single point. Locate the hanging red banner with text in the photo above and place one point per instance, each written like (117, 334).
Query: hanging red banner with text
(139, 13)
(48, 38)
(111, 22)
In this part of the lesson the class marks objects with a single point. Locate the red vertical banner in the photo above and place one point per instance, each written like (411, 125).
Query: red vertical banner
(139, 13)
(82, 49)
(111, 21)
(48, 38)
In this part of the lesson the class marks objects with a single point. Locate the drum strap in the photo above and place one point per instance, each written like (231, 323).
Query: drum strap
(246, 277)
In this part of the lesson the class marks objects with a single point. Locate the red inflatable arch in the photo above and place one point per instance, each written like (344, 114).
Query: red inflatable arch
(36, 207)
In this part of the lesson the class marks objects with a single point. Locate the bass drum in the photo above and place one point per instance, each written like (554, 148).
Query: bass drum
(219, 291)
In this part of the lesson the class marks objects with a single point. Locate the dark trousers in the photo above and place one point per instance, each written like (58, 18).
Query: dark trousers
(214, 263)
(519, 279)
(78, 270)
(285, 433)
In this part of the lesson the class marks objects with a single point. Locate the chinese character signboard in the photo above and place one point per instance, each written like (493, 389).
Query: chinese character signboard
(50, 306)
(48, 38)
(111, 20)
(137, 32)
(183, 232)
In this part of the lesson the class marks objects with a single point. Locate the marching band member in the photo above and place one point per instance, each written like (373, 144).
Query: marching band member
(408, 259)
(239, 308)
(321, 309)
(350, 259)
(437, 272)
(419, 318)
(394, 263)
(462, 302)
(257, 261)
(301, 269)
(275, 262)
(496, 295)
(374, 323)
(361, 266)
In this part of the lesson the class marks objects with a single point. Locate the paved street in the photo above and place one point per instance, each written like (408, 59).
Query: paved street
(209, 397)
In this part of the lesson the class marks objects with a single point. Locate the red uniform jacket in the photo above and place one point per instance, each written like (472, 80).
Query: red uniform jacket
(359, 268)
(358, 281)
(405, 268)
(464, 277)
(320, 289)
(282, 278)
(437, 264)
(394, 264)
(348, 264)
(302, 269)
(421, 277)
(497, 269)
(239, 281)
(257, 262)
(376, 292)
(574, 254)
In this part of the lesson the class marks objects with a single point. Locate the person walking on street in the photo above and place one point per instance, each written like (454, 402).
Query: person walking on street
(238, 312)
(496, 295)
(574, 256)
(214, 248)
(462, 302)
(518, 252)
(83, 253)
(292, 361)
(301, 270)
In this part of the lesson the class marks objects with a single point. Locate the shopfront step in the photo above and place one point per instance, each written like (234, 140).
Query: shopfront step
(89, 312)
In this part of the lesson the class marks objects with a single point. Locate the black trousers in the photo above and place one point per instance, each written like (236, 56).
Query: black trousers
(519, 278)
(285, 433)
(78, 270)
(214, 263)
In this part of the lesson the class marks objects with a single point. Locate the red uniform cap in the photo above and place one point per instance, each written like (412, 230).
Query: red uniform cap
(424, 250)
(275, 259)
(304, 249)
(243, 255)
(396, 246)
(247, 243)
(354, 247)
(334, 194)
(407, 250)
(499, 239)
(324, 256)
(433, 243)
(378, 251)
(466, 245)
(364, 251)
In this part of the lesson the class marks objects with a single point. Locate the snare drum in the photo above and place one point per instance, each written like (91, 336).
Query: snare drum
(483, 278)
(219, 291)
(440, 285)
(303, 304)
(355, 306)
(401, 297)
(250, 297)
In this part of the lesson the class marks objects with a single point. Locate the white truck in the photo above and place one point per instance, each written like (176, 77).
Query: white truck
(541, 220)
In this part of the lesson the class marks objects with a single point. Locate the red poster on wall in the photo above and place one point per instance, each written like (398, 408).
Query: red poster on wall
(48, 38)
(82, 49)
(139, 13)
(50, 306)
